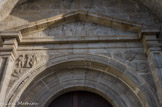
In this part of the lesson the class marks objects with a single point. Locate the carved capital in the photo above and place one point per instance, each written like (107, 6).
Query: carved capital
(151, 43)
(9, 43)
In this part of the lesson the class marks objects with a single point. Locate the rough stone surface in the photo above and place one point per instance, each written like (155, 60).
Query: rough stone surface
(39, 9)
(89, 81)
(154, 5)
(102, 46)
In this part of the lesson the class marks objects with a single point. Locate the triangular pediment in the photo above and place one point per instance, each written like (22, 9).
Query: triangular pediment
(74, 16)
(80, 28)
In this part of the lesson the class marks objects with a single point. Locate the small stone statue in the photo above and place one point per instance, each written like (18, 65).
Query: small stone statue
(20, 61)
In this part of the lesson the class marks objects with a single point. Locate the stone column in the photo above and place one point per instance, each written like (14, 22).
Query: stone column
(7, 57)
(154, 52)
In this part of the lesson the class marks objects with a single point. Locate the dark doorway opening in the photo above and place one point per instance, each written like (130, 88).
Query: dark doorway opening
(80, 99)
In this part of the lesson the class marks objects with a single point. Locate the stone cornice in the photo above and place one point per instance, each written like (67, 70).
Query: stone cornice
(77, 39)
(37, 26)
(78, 15)
(11, 34)
(149, 31)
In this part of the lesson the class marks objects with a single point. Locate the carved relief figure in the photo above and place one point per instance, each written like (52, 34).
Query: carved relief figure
(91, 31)
(28, 58)
(16, 72)
(20, 61)
(26, 61)
(23, 62)
(33, 60)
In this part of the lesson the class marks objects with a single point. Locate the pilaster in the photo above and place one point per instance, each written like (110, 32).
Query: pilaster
(153, 49)
(8, 48)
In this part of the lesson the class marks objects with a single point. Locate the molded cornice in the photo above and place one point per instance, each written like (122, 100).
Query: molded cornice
(78, 15)
(37, 26)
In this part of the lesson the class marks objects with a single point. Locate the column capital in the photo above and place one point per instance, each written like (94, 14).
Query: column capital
(149, 31)
(9, 41)
(151, 42)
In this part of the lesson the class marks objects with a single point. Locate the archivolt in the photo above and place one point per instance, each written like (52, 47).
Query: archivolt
(92, 62)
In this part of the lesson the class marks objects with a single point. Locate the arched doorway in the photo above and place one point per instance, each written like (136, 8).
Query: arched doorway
(80, 99)
(103, 76)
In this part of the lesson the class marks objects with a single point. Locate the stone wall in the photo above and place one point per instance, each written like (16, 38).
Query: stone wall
(101, 36)
(154, 5)
(40, 9)
(127, 52)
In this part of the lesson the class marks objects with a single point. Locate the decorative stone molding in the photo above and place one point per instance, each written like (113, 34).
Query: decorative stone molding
(57, 81)
(8, 51)
(81, 28)
(153, 50)
(6, 68)
(87, 61)
(28, 65)
(79, 15)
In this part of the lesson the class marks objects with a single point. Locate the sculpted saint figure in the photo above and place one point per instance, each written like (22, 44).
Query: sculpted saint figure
(33, 61)
(20, 61)
(28, 59)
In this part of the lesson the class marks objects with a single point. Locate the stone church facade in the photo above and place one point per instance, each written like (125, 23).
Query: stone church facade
(108, 47)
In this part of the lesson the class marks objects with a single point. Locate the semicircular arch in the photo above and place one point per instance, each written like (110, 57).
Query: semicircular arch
(94, 62)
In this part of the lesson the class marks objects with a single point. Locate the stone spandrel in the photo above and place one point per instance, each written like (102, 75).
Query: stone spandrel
(25, 62)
